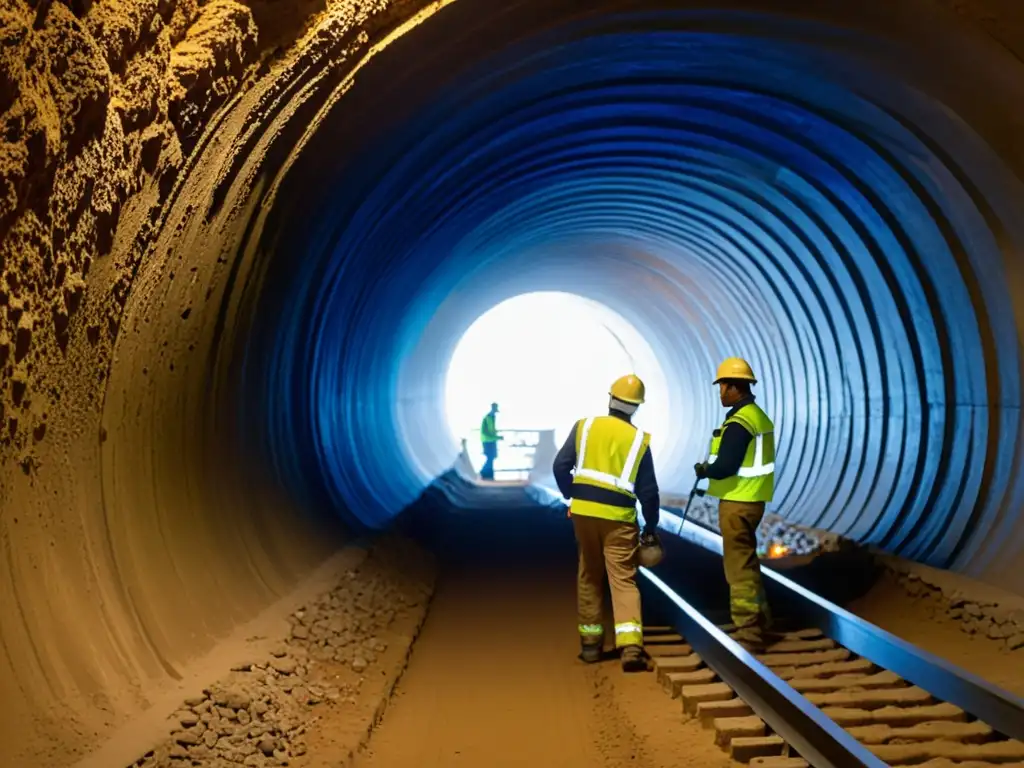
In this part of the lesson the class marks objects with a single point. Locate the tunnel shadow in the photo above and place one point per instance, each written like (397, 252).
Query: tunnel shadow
(504, 534)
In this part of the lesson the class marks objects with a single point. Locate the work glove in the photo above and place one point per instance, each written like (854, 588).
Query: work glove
(700, 469)
(649, 536)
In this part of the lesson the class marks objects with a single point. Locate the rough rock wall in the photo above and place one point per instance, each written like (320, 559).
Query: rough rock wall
(103, 106)
(101, 103)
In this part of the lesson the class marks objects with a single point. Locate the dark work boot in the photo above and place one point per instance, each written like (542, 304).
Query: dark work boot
(590, 653)
(634, 659)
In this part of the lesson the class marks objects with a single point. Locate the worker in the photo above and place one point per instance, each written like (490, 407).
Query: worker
(489, 437)
(613, 470)
(741, 470)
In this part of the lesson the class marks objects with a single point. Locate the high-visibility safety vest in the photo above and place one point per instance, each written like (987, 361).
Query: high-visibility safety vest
(488, 432)
(755, 479)
(608, 454)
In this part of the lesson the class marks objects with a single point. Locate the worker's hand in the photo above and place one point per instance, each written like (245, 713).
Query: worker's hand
(649, 532)
(700, 470)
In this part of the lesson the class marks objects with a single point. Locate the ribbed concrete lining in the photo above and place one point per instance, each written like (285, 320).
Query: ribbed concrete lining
(724, 182)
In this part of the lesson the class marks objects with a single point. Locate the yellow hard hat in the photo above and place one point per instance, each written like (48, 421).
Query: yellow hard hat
(735, 369)
(628, 389)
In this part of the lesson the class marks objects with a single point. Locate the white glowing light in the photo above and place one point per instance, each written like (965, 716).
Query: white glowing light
(548, 359)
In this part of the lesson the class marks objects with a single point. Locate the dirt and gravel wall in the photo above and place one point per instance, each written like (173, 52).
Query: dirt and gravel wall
(134, 532)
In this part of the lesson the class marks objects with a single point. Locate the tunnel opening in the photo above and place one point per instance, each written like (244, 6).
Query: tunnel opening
(547, 358)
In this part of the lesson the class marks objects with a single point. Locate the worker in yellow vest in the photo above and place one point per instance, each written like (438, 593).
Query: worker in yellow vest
(605, 467)
(489, 438)
(741, 470)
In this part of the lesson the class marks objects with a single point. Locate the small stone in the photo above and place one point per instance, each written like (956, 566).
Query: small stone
(284, 666)
(999, 631)
(972, 609)
(190, 737)
(194, 701)
(187, 719)
(359, 664)
(267, 746)
(210, 739)
(233, 698)
(178, 752)
(279, 651)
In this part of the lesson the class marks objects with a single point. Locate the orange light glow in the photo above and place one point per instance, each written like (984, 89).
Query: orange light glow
(778, 550)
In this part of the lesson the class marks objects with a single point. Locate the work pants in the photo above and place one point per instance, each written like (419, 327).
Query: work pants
(491, 453)
(607, 548)
(748, 604)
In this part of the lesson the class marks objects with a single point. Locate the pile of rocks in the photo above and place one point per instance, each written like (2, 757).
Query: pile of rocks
(976, 615)
(774, 529)
(259, 714)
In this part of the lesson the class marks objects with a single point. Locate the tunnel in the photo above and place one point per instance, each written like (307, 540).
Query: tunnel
(242, 239)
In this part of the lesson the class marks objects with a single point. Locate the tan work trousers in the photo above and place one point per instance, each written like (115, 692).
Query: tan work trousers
(748, 605)
(607, 548)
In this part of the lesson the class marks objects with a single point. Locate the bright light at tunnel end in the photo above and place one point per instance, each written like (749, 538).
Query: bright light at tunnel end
(547, 358)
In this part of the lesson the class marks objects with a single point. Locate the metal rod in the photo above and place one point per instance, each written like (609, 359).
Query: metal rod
(803, 726)
(1001, 709)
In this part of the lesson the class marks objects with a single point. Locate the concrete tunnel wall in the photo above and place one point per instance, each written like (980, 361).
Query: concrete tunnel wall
(220, 253)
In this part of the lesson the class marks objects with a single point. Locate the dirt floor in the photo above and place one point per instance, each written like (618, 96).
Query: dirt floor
(925, 624)
(494, 679)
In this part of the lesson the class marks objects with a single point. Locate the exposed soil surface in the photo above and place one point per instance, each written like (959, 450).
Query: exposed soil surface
(924, 622)
(494, 679)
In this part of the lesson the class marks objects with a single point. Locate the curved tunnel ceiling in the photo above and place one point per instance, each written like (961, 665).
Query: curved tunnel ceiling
(797, 193)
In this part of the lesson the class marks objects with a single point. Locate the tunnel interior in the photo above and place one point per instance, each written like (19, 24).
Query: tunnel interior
(725, 184)
(815, 187)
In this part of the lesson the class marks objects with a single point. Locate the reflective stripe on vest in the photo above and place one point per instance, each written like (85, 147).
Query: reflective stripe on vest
(622, 482)
(759, 468)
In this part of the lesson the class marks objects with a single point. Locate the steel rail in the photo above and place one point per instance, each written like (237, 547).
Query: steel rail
(994, 706)
(818, 740)
(998, 708)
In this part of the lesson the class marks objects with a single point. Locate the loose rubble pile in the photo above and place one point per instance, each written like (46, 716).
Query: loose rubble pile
(259, 715)
(976, 616)
(774, 532)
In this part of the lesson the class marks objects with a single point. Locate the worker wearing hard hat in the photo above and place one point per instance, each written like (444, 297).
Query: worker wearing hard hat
(489, 438)
(613, 470)
(741, 470)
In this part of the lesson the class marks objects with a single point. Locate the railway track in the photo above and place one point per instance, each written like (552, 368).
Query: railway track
(832, 691)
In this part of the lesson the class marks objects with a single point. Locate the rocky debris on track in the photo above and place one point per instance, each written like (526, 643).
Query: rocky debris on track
(260, 714)
(977, 609)
(774, 531)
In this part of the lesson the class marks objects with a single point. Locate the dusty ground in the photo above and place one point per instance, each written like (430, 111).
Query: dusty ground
(494, 678)
(328, 673)
(925, 623)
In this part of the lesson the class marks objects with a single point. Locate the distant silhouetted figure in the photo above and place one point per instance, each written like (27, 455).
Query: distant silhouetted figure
(489, 437)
